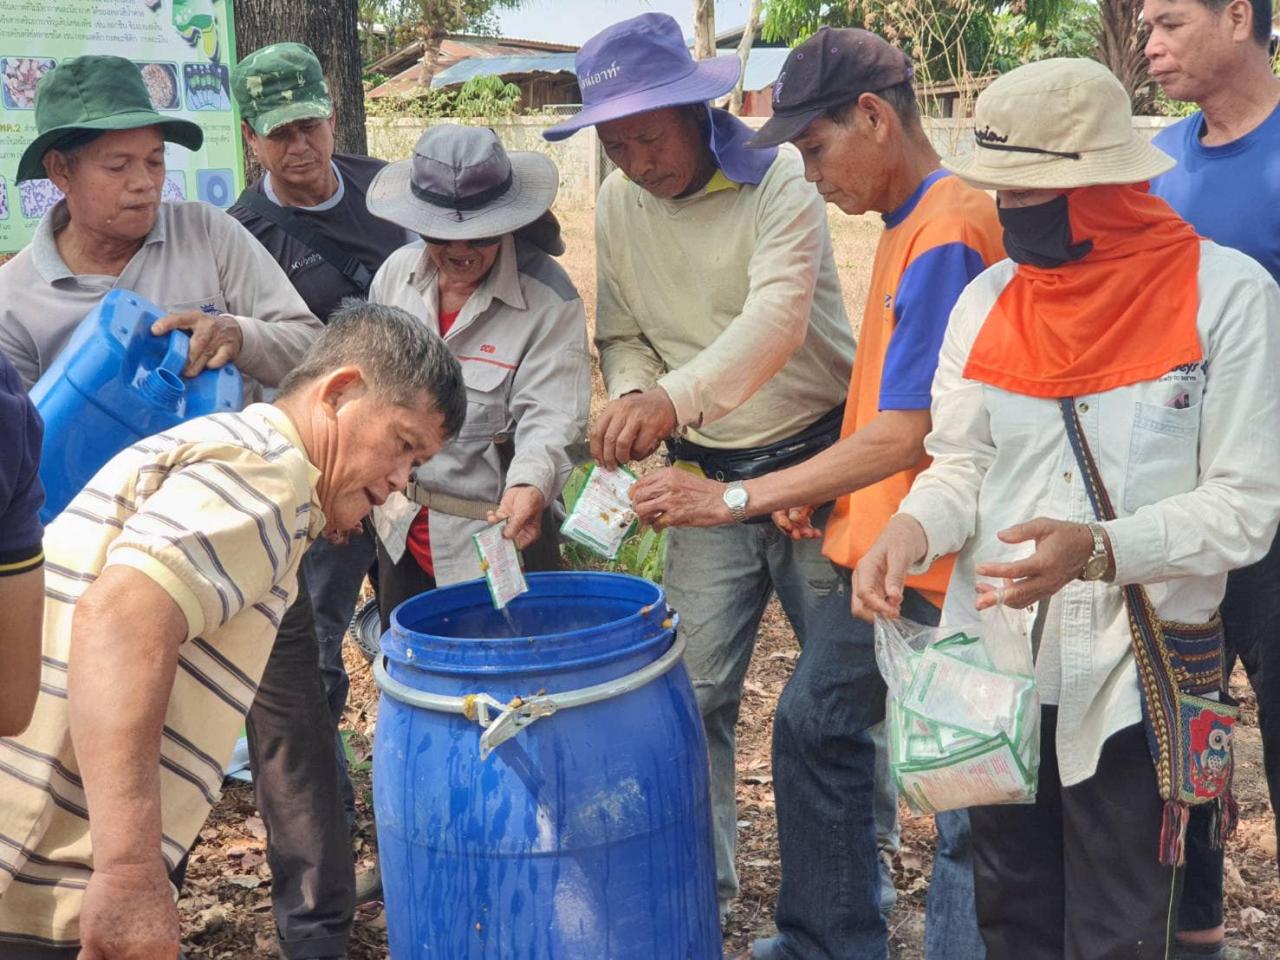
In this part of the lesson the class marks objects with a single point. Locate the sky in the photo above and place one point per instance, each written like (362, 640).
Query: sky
(573, 21)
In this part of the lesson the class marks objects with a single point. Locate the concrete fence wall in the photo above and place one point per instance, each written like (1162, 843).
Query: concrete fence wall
(583, 165)
(577, 157)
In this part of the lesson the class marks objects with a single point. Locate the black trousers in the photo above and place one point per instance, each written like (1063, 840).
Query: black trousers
(398, 582)
(1076, 875)
(296, 784)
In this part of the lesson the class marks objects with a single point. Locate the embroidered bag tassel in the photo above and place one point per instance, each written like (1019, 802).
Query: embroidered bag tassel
(1224, 819)
(1173, 833)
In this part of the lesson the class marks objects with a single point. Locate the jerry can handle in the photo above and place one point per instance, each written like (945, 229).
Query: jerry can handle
(175, 357)
(163, 386)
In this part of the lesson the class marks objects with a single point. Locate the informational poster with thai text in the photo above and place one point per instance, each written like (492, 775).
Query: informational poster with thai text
(184, 50)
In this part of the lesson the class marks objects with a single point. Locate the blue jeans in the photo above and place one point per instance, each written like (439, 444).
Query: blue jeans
(888, 830)
(824, 781)
(950, 914)
(720, 580)
(334, 575)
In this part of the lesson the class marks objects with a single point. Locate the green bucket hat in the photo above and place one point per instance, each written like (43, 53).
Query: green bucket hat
(280, 84)
(95, 93)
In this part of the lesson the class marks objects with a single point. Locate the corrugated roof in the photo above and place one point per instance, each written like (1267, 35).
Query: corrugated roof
(763, 66)
(464, 70)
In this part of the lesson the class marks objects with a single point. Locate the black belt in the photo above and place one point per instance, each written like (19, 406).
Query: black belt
(727, 465)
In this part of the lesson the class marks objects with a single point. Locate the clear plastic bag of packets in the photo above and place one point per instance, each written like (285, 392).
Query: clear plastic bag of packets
(602, 517)
(963, 711)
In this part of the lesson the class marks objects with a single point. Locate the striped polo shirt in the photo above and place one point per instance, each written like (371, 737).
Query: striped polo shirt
(218, 512)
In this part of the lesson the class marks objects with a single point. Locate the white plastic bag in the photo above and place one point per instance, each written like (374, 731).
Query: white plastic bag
(963, 711)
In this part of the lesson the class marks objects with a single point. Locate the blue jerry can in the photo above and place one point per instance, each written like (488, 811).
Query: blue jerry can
(113, 384)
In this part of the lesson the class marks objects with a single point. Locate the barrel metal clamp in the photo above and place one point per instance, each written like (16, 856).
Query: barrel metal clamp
(501, 721)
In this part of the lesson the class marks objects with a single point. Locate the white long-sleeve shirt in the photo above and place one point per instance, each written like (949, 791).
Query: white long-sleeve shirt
(1191, 461)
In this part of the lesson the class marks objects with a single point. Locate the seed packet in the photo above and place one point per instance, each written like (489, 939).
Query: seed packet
(963, 713)
(602, 516)
(500, 562)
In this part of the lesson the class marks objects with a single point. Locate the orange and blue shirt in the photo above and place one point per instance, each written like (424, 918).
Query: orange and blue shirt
(940, 238)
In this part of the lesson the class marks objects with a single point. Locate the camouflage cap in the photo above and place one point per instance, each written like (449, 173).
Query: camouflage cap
(279, 84)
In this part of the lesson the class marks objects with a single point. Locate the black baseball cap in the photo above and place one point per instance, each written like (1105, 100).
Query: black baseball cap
(832, 67)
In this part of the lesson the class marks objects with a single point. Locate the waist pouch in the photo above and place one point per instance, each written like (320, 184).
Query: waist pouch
(747, 463)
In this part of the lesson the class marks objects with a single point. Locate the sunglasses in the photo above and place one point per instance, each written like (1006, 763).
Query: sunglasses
(481, 242)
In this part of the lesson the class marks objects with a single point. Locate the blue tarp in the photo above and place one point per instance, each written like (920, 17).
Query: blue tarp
(763, 67)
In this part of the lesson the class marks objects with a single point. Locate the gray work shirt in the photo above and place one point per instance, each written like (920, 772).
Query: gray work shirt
(522, 341)
(195, 258)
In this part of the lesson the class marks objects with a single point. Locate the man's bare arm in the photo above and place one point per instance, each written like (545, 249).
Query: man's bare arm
(125, 635)
(21, 622)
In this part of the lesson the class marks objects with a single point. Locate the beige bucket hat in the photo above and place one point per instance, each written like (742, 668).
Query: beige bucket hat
(1056, 124)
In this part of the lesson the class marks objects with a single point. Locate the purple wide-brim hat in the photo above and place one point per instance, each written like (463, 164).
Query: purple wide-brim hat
(639, 65)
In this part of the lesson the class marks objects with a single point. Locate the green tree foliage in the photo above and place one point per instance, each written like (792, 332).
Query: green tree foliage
(949, 40)
(487, 96)
(1019, 40)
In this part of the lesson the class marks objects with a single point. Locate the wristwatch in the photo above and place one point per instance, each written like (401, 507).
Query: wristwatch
(1095, 568)
(735, 498)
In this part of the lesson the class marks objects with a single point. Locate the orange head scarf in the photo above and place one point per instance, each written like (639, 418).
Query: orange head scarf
(1124, 313)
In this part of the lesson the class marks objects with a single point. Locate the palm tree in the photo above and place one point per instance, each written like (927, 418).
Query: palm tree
(439, 18)
(1121, 38)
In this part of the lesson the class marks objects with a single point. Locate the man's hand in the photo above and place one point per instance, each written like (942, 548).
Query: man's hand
(631, 427)
(672, 497)
(1062, 549)
(880, 575)
(216, 338)
(128, 913)
(796, 523)
(521, 507)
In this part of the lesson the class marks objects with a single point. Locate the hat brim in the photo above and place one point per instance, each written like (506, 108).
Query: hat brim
(182, 132)
(535, 180)
(783, 129)
(708, 80)
(265, 123)
(1132, 162)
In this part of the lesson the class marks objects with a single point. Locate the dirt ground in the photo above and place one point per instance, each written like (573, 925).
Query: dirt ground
(226, 907)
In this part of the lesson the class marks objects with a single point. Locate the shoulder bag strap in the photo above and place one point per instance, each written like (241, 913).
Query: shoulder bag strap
(349, 266)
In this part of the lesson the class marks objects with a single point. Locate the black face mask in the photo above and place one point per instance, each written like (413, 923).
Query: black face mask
(1040, 235)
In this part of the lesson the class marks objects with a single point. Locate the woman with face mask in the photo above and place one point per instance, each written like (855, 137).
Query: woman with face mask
(1106, 441)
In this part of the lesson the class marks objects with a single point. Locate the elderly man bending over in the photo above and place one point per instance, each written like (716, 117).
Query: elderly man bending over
(166, 581)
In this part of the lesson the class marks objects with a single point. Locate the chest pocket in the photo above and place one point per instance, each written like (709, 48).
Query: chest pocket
(486, 399)
(1164, 453)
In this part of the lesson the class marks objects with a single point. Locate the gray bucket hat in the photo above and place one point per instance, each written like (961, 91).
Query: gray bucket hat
(460, 184)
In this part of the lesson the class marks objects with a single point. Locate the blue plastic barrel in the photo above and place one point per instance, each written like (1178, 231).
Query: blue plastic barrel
(113, 384)
(586, 833)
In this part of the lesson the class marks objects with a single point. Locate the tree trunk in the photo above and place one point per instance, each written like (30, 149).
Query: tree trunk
(329, 29)
(704, 29)
(1120, 50)
(432, 40)
(744, 51)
